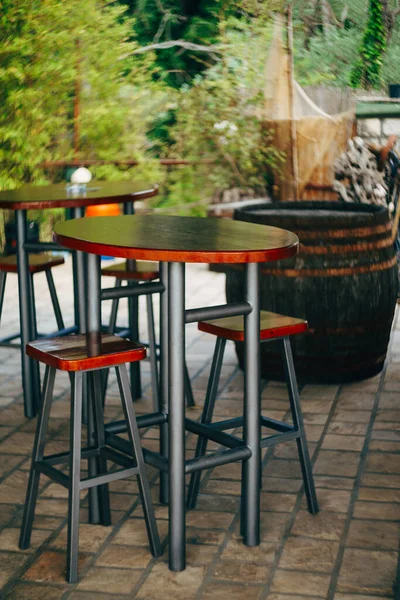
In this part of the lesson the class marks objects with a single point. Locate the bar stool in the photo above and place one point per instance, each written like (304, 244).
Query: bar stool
(80, 355)
(272, 327)
(136, 271)
(140, 271)
(38, 263)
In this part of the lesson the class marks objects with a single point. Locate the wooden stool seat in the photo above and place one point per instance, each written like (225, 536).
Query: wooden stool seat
(272, 325)
(143, 271)
(37, 262)
(79, 353)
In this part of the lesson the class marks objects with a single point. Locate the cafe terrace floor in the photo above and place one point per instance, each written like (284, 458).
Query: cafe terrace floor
(347, 552)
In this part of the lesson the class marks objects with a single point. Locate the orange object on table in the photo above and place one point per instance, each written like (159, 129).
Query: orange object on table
(103, 210)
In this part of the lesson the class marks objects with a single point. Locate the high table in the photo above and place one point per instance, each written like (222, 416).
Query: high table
(175, 241)
(56, 196)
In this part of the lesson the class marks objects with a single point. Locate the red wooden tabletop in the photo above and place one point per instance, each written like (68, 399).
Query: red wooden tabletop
(57, 196)
(177, 239)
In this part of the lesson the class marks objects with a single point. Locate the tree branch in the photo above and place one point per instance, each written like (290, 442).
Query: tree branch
(212, 49)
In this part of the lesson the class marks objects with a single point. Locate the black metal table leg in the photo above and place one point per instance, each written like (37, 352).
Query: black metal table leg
(30, 368)
(164, 378)
(252, 410)
(93, 328)
(176, 421)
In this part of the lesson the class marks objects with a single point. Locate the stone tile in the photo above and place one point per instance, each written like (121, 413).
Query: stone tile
(335, 483)
(389, 401)
(163, 583)
(120, 556)
(94, 596)
(51, 567)
(277, 484)
(383, 446)
(384, 511)
(377, 480)
(224, 487)
(355, 401)
(209, 520)
(339, 596)
(54, 507)
(9, 539)
(18, 443)
(221, 591)
(240, 572)
(115, 581)
(383, 463)
(211, 503)
(279, 467)
(332, 500)
(336, 427)
(276, 502)
(378, 494)
(133, 533)
(306, 554)
(200, 554)
(10, 565)
(27, 591)
(236, 550)
(374, 535)
(335, 462)
(351, 416)
(204, 536)
(367, 571)
(13, 488)
(343, 442)
(91, 537)
(380, 433)
(323, 526)
(310, 584)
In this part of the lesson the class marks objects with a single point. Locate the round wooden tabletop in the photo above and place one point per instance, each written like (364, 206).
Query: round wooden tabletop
(57, 196)
(177, 239)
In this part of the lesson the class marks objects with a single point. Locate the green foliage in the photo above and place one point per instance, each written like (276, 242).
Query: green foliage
(367, 70)
(329, 59)
(218, 117)
(45, 49)
(157, 21)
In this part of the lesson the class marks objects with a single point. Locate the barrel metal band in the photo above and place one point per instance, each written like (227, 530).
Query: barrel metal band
(343, 233)
(348, 248)
(335, 272)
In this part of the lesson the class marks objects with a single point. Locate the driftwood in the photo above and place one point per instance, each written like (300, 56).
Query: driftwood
(357, 177)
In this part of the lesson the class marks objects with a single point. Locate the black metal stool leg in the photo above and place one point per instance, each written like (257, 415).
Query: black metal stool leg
(190, 402)
(37, 455)
(206, 417)
(54, 299)
(133, 431)
(3, 278)
(134, 367)
(74, 478)
(302, 447)
(155, 386)
(33, 304)
(99, 435)
(114, 309)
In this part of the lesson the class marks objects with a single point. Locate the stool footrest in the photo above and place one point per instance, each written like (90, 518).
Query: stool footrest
(55, 474)
(276, 425)
(272, 440)
(217, 459)
(63, 457)
(102, 479)
(220, 437)
(151, 458)
(142, 421)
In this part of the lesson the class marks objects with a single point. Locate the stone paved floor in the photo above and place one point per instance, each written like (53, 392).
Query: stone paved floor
(347, 552)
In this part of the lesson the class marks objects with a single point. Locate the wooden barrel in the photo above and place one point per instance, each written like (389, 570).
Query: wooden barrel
(344, 282)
